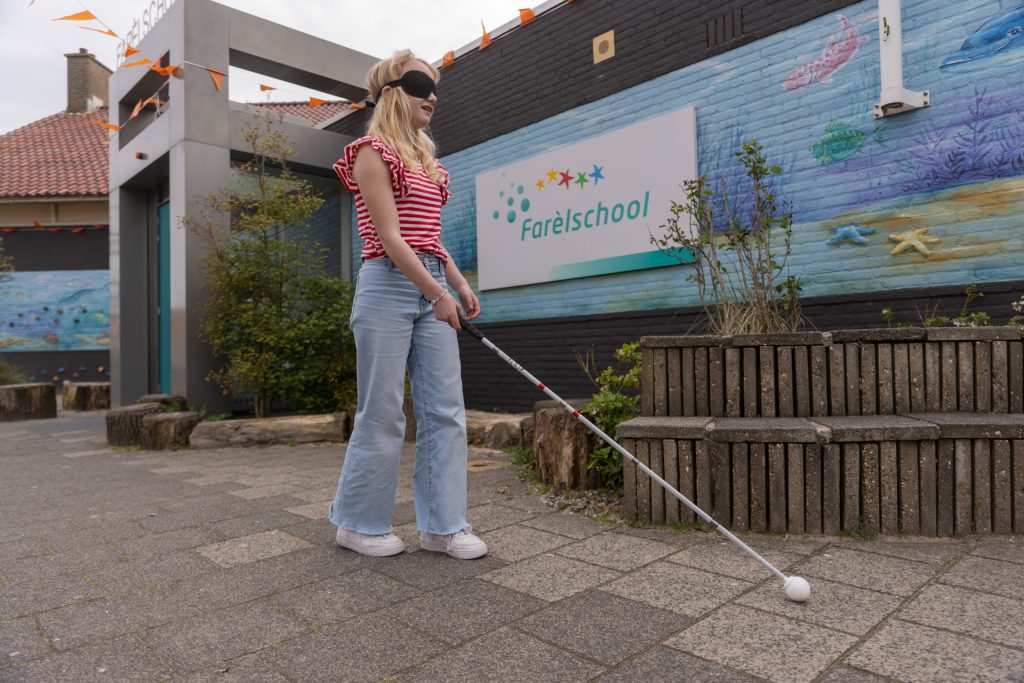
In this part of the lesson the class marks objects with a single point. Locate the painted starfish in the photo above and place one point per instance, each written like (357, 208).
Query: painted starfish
(540, 184)
(854, 233)
(912, 239)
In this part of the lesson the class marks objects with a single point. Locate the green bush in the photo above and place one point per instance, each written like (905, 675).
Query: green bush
(9, 375)
(616, 400)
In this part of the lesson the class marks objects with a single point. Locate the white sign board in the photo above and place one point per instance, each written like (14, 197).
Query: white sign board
(586, 209)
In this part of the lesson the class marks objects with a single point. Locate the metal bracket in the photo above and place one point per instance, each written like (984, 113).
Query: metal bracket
(899, 100)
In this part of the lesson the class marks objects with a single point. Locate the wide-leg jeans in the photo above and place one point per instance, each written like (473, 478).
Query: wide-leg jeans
(395, 328)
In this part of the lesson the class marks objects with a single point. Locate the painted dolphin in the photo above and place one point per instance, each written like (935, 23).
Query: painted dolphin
(833, 58)
(997, 36)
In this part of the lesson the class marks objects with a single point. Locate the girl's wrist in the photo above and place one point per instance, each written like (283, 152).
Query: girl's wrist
(443, 294)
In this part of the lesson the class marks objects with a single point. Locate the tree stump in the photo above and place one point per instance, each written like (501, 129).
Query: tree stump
(27, 402)
(166, 400)
(270, 430)
(86, 396)
(561, 447)
(124, 423)
(165, 431)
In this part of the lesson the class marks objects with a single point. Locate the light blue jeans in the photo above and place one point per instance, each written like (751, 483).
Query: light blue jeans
(394, 327)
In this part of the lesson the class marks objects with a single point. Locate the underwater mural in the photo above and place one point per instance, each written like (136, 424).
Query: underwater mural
(841, 141)
(55, 310)
(1001, 36)
(834, 57)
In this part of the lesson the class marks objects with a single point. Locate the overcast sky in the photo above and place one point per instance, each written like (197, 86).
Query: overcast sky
(33, 81)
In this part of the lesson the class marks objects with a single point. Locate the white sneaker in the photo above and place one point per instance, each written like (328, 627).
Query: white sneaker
(462, 545)
(375, 545)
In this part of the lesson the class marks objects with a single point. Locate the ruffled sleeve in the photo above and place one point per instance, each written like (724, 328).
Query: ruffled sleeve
(445, 180)
(344, 166)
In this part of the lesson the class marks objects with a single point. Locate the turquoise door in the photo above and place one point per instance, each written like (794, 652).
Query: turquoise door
(164, 294)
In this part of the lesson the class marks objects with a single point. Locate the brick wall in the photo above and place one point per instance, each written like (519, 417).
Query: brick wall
(87, 78)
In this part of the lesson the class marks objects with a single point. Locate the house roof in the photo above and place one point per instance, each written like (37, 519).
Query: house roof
(62, 155)
(65, 155)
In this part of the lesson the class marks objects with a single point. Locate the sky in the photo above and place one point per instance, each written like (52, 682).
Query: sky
(33, 77)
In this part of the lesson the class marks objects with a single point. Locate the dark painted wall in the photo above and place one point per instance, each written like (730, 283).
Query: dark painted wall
(45, 250)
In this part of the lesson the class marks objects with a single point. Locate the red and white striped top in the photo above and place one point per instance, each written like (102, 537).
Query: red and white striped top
(417, 199)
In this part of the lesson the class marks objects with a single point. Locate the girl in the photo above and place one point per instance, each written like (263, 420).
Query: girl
(403, 316)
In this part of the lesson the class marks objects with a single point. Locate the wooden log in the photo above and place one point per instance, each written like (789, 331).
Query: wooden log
(751, 392)
(888, 476)
(768, 399)
(629, 474)
(657, 465)
(851, 487)
(932, 377)
(36, 401)
(740, 486)
(982, 486)
(690, 383)
(124, 423)
(965, 377)
(777, 482)
(983, 376)
(675, 383)
(831, 494)
(871, 511)
(1018, 486)
(646, 381)
(643, 482)
(886, 398)
(928, 493)
(1015, 376)
(945, 491)
(758, 488)
(837, 379)
(901, 378)
(687, 478)
(802, 381)
(716, 381)
(784, 381)
(1000, 377)
(659, 375)
(172, 402)
(949, 375)
(812, 488)
(963, 519)
(167, 431)
(852, 379)
(910, 486)
(81, 396)
(700, 365)
(702, 465)
(561, 447)
(819, 381)
(733, 382)
(670, 454)
(721, 482)
(1002, 489)
(795, 488)
(868, 379)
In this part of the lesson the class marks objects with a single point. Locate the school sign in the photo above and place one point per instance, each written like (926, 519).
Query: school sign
(585, 209)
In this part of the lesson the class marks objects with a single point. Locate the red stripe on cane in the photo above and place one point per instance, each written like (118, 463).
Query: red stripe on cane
(540, 385)
(575, 413)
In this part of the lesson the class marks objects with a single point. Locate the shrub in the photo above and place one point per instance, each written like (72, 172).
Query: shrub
(616, 400)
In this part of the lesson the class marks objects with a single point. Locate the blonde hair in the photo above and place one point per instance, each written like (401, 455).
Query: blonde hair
(392, 117)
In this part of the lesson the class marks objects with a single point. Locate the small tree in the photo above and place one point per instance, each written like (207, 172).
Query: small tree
(6, 264)
(739, 271)
(272, 313)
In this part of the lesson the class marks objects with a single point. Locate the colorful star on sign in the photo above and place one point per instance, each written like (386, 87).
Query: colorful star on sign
(581, 179)
(566, 179)
(552, 175)
(540, 184)
(596, 175)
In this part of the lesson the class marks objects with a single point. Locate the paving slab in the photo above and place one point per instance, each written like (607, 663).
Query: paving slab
(493, 516)
(664, 663)
(1005, 549)
(867, 570)
(616, 551)
(603, 627)
(989, 617)
(219, 588)
(123, 659)
(986, 574)
(251, 548)
(847, 674)
(932, 551)
(567, 524)
(724, 557)
(517, 542)
(20, 640)
(683, 590)
(246, 669)
(28, 597)
(550, 577)
(431, 570)
(763, 644)
(922, 654)
(337, 598)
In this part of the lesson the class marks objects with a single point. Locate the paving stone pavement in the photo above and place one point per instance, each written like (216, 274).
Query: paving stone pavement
(220, 565)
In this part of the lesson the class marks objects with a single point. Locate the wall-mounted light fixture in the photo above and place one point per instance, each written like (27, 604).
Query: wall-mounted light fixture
(895, 98)
(604, 46)
(141, 156)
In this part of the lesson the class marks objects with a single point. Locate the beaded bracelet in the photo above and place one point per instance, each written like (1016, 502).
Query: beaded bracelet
(439, 297)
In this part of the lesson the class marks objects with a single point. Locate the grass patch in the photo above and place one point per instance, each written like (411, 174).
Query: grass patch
(520, 455)
(603, 518)
(861, 533)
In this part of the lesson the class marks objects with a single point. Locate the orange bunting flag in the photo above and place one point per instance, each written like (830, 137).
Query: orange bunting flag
(141, 62)
(80, 16)
(526, 16)
(107, 141)
(9, 230)
(157, 101)
(106, 32)
(316, 102)
(217, 76)
(56, 229)
(77, 230)
(357, 106)
(109, 126)
(39, 226)
(265, 88)
(448, 59)
(486, 39)
(135, 112)
(163, 70)
(129, 51)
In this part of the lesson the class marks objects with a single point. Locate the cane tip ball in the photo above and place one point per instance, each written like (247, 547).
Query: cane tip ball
(797, 589)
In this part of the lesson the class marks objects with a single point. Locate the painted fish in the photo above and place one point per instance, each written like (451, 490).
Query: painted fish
(833, 58)
(1000, 35)
(841, 141)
